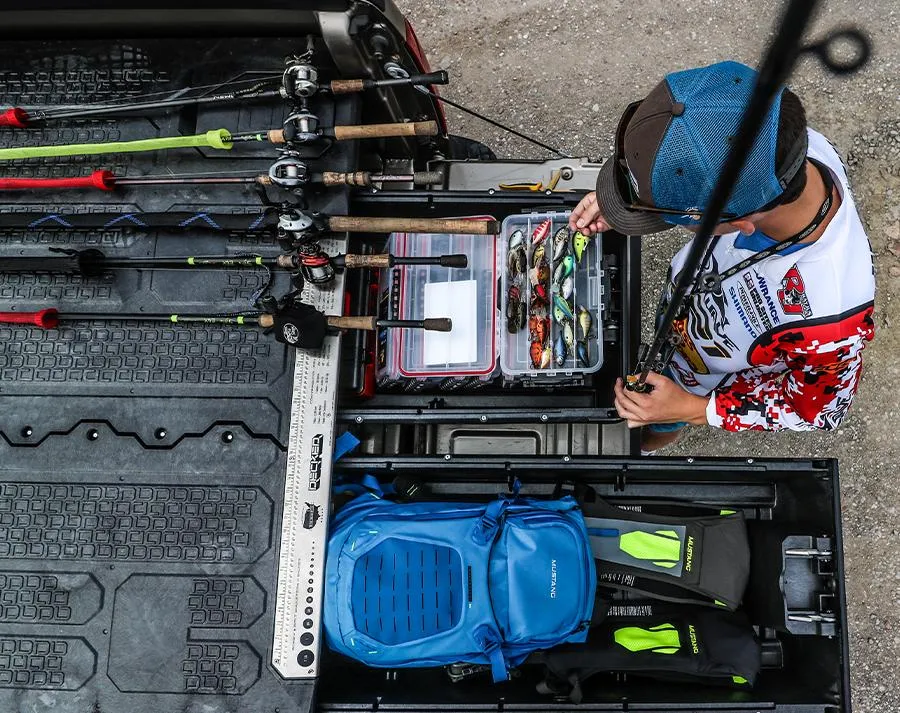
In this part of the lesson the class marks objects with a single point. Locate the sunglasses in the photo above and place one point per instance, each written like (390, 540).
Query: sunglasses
(626, 188)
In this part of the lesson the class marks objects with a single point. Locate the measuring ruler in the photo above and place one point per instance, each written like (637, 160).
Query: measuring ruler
(307, 492)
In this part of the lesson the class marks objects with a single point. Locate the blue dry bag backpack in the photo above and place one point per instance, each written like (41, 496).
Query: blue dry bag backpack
(429, 584)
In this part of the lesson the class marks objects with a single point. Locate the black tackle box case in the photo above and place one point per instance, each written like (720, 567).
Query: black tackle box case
(106, 427)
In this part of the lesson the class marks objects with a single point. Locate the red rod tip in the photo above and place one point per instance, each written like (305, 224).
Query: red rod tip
(14, 117)
(104, 180)
(47, 319)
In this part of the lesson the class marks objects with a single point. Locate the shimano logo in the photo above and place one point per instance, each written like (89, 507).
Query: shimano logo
(692, 635)
(689, 554)
(315, 462)
(553, 579)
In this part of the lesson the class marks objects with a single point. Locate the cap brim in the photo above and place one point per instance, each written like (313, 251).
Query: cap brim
(615, 211)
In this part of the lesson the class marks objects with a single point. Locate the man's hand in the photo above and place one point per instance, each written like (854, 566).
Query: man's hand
(666, 403)
(587, 217)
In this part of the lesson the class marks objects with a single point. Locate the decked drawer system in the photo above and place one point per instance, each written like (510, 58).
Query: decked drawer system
(144, 467)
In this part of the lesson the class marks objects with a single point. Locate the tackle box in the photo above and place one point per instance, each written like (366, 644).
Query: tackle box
(142, 467)
(519, 291)
(465, 357)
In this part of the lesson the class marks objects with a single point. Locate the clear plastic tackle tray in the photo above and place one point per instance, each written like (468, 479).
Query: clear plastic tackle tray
(551, 282)
(467, 355)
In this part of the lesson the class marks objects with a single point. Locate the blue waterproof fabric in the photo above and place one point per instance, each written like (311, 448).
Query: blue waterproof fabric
(429, 584)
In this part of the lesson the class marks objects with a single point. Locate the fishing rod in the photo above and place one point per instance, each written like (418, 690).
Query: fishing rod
(294, 323)
(777, 65)
(287, 174)
(224, 140)
(298, 81)
(290, 225)
(311, 263)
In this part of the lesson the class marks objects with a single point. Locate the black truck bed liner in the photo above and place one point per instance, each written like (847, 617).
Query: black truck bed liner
(142, 466)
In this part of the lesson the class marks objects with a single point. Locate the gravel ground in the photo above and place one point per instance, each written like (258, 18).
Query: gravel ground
(564, 69)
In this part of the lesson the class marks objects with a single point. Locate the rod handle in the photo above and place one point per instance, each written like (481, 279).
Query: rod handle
(376, 131)
(355, 178)
(359, 261)
(366, 323)
(100, 180)
(45, 318)
(14, 117)
(347, 86)
(276, 136)
(266, 321)
(458, 260)
(358, 224)
(438, 77)
(438, 324)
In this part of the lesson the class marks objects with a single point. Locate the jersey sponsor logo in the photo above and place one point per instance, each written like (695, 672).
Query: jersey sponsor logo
(742, 306)
(792, 294)
(770, 303)
(687, 349)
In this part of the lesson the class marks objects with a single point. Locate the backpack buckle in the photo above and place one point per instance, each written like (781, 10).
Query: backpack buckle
(457, 672)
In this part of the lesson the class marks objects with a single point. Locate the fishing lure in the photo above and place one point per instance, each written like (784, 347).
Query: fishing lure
(567, 288)
(516, 263)
(540, 233)
(516, 240)
(560, 243)
(540, 274)
(559, 350)
(568, 331)
(565, 268)
(584, 357)
(580, 243)
(561, 309)
(537, 257)
(585, 321)
(536, 352)
(546, 356)
(540, 328)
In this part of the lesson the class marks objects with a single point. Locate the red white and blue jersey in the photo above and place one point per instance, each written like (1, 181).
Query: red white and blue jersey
(779, 346)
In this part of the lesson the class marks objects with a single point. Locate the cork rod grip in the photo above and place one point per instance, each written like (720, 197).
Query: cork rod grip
(354, 224)
(357, 261)
(375, 131)
(364, 323)
(347, 86)
(266, 320)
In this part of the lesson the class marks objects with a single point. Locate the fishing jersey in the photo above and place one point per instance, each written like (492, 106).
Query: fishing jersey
(779, 345)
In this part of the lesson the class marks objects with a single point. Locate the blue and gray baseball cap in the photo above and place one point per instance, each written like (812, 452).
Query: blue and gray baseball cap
(670, 148)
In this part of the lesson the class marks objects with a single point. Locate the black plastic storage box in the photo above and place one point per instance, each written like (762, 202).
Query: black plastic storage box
(142, 465)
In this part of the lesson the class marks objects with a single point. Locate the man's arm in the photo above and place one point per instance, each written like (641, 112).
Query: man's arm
(824, 360)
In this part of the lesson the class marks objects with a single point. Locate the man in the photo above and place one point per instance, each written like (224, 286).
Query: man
(774, 340)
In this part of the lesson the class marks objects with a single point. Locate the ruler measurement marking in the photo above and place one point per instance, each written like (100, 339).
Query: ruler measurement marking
(308, 462)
